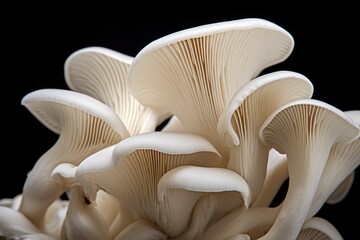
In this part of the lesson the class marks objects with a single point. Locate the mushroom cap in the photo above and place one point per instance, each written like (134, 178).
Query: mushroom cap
(132, 170)
(258, 98)
(194, 73)
(101, 72)
(45, 104)
(344, 128)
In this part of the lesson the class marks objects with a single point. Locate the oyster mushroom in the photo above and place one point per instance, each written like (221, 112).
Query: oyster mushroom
(336, 180)
(248, 109)
(305, 130)
(132, 171)
(84, 124)
(343, 189)
(212, 206)
(101, 72)
(194, 73)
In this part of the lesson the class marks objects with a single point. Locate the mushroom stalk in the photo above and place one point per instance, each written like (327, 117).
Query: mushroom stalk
(305, 130)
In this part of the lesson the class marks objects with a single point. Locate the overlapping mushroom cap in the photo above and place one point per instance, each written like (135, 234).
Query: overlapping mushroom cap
(232, 138)
(194, 73)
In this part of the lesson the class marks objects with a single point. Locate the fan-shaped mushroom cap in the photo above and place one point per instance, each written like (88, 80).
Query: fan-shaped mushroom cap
(101, 72)
(339, 171)
(248, 109)
(84, 124)
(194, 73)
(305, 130)
(132, 170)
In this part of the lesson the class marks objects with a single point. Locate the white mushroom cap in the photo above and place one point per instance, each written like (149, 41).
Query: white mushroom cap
(84, 124)
(305, 130)
(194, 73)
(101, 73)
(339, 171)
(248, 109)
(132, 170)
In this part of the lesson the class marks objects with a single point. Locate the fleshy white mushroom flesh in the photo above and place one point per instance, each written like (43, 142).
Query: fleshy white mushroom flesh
(318, 228)
(305, 130)
(204, 179)
(101, 72)
(208, 180)
(276, 175)
(339, 171)
(141, 230)
(239, 237)
(342, 189)
(84, 124)
(14, 225)
(248, 109)
(132, 171)
(194, 73)
(241, 221)
(83, 220)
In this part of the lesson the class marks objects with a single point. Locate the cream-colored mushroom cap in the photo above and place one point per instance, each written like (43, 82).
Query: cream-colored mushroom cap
(339, 172)
(133, 169)
(195, 72)
(101, 73)
(248, 109)
(84, 124)
(305, 130)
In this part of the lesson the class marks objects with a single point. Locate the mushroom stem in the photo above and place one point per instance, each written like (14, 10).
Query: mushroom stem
(305, 130)
(84, 124)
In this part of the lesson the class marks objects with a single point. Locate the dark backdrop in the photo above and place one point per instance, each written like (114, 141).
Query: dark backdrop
(37, 43)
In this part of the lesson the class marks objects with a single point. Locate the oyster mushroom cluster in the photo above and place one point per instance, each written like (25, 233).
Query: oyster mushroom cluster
(230, 137)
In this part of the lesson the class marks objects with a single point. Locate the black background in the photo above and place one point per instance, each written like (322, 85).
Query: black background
(37, 42)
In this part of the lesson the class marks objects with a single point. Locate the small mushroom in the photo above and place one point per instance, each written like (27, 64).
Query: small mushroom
(194, 73)
(305, 130)
(339, 171)
(101, 72)
(248, 109)
(84, 124)
(132, 170)
(208, 180)
(344, 187)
